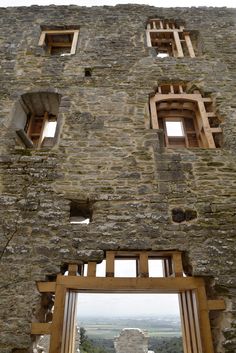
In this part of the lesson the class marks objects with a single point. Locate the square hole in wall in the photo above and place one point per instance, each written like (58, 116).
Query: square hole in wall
(88, 72)
(80, 212)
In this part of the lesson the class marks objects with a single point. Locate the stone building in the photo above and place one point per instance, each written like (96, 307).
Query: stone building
(131, 340)
(108, 80)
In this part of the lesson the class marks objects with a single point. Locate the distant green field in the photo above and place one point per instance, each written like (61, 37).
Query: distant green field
(109, 332)
(108, 328)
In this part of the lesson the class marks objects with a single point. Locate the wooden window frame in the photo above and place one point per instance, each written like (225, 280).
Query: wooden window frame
(72, 45)
(31, 134)
(194, 305)
(168, 32)
(204, 131)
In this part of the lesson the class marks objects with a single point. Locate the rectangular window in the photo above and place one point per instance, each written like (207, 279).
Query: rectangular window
(41, 129)
(59, 42)
(169, 39)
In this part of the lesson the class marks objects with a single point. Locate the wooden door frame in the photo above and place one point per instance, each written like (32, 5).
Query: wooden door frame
(175, 283)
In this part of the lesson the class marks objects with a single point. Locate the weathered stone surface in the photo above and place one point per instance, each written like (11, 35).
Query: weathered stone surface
(108, 154)
(131, 340)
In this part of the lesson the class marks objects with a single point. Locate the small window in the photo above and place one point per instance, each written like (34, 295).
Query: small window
(41, 129)
(59, 42)
(174, 128)
(80, 212)
(187, 119)
(169, 39)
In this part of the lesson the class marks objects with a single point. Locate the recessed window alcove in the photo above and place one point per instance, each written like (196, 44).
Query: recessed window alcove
(35, 119)
(186, 119)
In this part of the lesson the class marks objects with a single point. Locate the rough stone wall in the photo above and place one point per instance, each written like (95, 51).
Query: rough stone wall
(108, 154)
(131, 340)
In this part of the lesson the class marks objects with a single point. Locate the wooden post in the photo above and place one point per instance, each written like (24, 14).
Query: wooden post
(206, 125)
(185, 323)
(148, 36)
(178, 45)
(154, 118)
(72, 269)
(110, 263)
(143, 264)
(189, 45)
(204, 321)
(177, 262)
(42, 38)
(58, 319)
(92, 269)
(74, 42)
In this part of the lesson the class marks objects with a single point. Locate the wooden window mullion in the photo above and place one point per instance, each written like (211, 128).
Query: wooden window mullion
(58, 319)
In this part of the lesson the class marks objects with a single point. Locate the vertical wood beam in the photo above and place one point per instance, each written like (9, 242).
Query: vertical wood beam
(191, 321)
(189, 45)
(143, 264)
(74, 42)
(72, 269)
(196, 319)
(42, 38)
(58, 319)
(92, 269)
(206, 125)
(185, 323)
(178, 45)
(110, 263)
(148, 36)
(204, 321)
(177, 263)
(154, 118)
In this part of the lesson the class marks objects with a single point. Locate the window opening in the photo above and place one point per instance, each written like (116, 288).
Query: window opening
(162, 55)
(174, 128)
(155, 268)
(169, 39)
(59, 41)
(103, 317)
(80, 212)
(37, 123)
(125, 268)
(193, 303)
(184, 118)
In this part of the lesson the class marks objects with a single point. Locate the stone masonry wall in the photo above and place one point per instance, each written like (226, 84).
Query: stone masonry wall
(131, 340)
(108, 154)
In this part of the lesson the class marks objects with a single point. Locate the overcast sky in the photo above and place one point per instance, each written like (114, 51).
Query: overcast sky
(159, 3)
(111, 305)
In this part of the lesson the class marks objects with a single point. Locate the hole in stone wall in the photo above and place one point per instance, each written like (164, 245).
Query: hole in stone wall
(88, 72)
(80, 212)
(179, 215)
